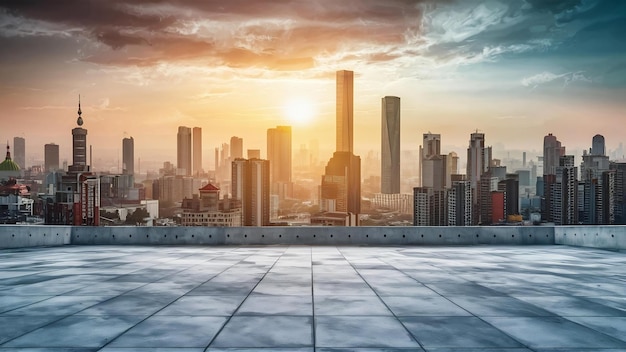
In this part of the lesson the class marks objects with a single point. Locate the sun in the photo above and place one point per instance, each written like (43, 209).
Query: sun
(299, 111)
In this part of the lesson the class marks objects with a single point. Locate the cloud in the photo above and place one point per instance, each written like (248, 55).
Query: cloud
(547, 77)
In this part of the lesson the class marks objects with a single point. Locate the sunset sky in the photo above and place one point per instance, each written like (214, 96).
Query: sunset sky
(514, 69)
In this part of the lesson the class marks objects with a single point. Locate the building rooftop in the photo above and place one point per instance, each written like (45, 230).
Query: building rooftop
(312, 298)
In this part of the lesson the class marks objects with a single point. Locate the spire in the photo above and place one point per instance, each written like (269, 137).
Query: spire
(79, 121)
(8, 152)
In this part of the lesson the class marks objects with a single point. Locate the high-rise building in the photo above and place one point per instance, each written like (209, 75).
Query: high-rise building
(254, 153)
(341, 184)
(345, 109)
(279, 156)
(510, 187)
(19, 151)
(183, 151)
(79, 145)
(128, 156)
(593, 168)
(479, 159)
(619, 208)
(460, 204)
(564, 197)
(236, 147)
(552, 152)
(597, 145)
(51, 157)
(197, 152)
(390, 149)
(251, 185)
(429, 207)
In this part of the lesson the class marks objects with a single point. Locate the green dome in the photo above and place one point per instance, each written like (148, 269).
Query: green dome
(8, 164)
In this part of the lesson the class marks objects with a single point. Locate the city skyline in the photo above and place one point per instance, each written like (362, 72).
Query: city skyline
(516, 70)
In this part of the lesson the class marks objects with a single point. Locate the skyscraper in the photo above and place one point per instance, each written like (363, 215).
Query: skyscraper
(552, 152)
(197, 152)
(251, 185)
(79, 145)
(19, 152)
(478, 161)
(279, 156)
(51, 157)
(183, 151)
(597, 145)
(390, 148)
(345, 98)
(128, 156)
(341, 184)
(236, 147)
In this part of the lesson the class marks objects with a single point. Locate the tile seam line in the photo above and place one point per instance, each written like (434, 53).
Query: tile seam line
(248, 295)
(167, 305)
(382, 301)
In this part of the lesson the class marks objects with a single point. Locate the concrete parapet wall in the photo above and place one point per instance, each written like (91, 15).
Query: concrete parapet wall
(313, 235)
(15, 236)
(605, 236)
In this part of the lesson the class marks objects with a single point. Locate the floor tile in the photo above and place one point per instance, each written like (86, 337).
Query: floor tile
(361, 331)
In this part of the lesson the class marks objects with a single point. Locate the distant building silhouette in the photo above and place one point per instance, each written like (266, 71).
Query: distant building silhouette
(19, 151)
(597, 145)
(128, 156)
(51, 157)
(390, 146)
(251, 185)
(345, 111)
(341, 182)
(197, 151)
(279, 156)
(183, 151)
(236, 147)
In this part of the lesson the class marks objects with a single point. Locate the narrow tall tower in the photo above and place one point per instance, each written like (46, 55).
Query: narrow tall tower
(19, 151)
(183, 150)
(128, 156)
(345, 97)
(279, 156)
(197, 150)
(390, 148)
(79, 145)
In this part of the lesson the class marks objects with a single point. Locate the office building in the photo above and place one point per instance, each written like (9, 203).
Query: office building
(19, 152)
(478, 158)
(460, 204)
(565, 193)
(390, 148)
(279, 157)
(51, 157)
(598, 145)
(197, 152)
(254, 153)
(183, 151)
(552, 152)
(345, 110)
(236, 148)
(251, 186)
(341, 184)
(128, 156)
(429, 207)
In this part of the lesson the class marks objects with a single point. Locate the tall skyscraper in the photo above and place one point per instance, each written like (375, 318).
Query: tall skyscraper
(19, 152)
(552, 152)
(478, 161)
(597, 145)
(251, 185)
(345, 110)
(51, 157)
(79, 145)
(279, 156)
(341, 184)
(183, 151)
(564, 202)
(390, 149)
(460, 204)
(236, 147)
(128, 156)
(197, 151)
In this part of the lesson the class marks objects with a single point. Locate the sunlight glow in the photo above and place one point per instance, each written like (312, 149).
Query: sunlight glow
(299, 111)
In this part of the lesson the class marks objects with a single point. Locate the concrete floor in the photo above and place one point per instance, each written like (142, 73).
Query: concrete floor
(363, 299)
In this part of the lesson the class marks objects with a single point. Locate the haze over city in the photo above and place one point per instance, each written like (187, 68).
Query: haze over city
(516, 70)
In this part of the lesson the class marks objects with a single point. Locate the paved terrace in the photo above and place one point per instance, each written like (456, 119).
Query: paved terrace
(302, 298)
